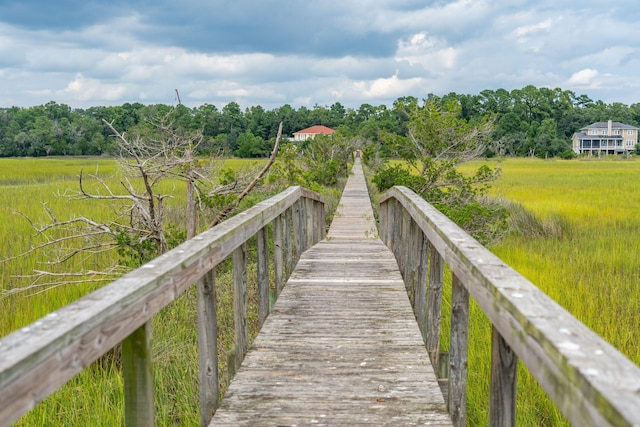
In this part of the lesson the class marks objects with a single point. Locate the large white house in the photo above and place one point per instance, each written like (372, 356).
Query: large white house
(602, 138)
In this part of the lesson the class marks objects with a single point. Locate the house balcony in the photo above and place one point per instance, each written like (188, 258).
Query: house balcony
(603, 145)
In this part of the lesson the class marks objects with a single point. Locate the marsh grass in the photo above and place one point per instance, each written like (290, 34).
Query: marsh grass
(95, 397)
(578, 240)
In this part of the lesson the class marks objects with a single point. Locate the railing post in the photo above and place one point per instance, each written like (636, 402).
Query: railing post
(207, 347)
(403, 243)
(263, 274)
(458, 353)
(287, 246)
(277, 253)
(504, 369)
(420, 305)
(310, 217)
(411, 258)
(302, 206)
(240, 303)
(397, 231)
(322, 219)
(138, 377)
(297, 232)
(434, 305)
(382, 215)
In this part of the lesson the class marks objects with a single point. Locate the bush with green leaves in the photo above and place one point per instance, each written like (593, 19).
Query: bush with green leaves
(438, 140)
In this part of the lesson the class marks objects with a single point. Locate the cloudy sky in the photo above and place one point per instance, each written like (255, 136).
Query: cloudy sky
(306, 52)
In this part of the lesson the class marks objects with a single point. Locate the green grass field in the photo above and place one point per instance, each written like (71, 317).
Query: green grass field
(591, 269)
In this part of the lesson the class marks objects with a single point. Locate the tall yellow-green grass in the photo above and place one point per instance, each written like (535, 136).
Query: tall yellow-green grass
(589, 264)
(95, 396)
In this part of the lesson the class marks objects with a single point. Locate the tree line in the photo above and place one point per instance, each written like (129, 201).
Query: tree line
(527, 122)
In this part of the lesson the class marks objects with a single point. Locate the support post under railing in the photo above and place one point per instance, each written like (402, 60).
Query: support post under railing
(504, 369)
(320, 220)
(278, 258)
(411, 260)
(434, 305)
(420, 305)
(397, 230)
(310, 222)
(297, 232)
(403, 246)
(287, 243)
(138, 378)
(458, 353)
(207, 347)
(263, 274)
(240, 303)
(302, 206)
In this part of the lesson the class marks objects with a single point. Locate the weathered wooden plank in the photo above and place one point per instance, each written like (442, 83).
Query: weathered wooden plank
(309, 216)
(420, 307)
(240, 304)
(138, 378)
(263, 274)
(207, 347)
(458, 353)
(341, 345)
(287, 243)
(341, 354)
(589, 380)
(504, 369)
(434, 301)
(278, 254)
(296, 215)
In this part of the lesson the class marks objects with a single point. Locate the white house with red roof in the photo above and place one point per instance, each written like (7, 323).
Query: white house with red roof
(311, 132)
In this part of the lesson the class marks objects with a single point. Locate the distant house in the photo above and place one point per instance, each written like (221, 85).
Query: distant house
(310, 133)
(602, 138)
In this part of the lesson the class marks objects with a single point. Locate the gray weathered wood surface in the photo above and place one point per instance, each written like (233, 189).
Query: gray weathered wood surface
(341, 345)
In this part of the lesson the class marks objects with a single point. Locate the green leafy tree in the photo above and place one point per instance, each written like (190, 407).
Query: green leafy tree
(438, 140)
(250, 146)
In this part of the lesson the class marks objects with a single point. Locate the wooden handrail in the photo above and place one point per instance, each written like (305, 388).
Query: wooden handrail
(591, 382)
(39, 358)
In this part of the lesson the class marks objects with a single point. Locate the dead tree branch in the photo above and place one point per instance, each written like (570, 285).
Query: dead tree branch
(274, 153)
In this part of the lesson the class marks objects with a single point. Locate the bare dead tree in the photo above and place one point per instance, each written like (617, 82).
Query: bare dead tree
(274, 153)
(139, 225)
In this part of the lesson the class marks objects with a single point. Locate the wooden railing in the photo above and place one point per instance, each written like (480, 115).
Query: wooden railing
(590, 381)
(41, 357)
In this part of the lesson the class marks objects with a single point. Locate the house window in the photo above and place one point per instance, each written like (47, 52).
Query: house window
(594, 132)
(629, 131)
(616, 132)
(604, 131)
(629, 143)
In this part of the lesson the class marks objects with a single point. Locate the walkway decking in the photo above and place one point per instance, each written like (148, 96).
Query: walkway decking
(341, 345)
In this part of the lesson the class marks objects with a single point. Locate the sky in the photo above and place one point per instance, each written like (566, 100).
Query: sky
(87, 53)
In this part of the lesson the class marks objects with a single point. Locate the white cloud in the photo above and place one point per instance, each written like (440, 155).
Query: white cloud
(429, 52)
(463, 46)
(83, 89)
(523, 31)
(452, 16)
(584, 78)
(391, 87)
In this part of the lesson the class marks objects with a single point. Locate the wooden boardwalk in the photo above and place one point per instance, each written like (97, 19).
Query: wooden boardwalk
(341, 345)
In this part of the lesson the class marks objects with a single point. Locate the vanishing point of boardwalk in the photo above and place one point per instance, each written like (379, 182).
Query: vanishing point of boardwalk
(341, 345)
